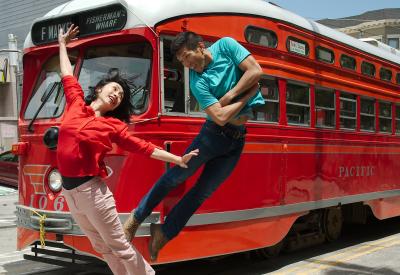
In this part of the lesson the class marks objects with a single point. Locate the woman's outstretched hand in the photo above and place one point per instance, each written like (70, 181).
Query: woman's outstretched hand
(185, 158)
(65, 38)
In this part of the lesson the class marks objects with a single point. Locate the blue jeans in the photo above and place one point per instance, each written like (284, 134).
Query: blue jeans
(219, 152)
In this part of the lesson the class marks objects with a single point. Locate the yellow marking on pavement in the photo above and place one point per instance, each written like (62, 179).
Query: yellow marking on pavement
(333, 257)
(323, 264)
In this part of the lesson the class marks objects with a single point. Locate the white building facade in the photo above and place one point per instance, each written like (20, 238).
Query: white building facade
(16, 17)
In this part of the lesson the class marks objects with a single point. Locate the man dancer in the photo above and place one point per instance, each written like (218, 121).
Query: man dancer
(224, 80)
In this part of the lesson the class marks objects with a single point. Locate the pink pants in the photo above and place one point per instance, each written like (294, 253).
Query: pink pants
(93, 207)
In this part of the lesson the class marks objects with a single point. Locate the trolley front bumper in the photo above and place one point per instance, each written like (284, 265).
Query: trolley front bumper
(63, 222)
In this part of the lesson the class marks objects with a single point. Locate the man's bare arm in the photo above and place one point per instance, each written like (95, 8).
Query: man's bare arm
(252, 74)
(223, 114)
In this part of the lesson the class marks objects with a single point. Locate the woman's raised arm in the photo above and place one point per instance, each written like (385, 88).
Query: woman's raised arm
(63, 40)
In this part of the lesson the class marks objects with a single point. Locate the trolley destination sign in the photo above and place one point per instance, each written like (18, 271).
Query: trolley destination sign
(105, 19)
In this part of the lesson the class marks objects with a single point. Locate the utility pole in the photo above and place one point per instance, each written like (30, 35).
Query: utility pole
(14, 66)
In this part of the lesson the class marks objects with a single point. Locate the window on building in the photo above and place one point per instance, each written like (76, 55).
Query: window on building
(385, 74)
(260, 36)
(348, 62)
(397, 119)
(394, 42)
(348, 111)
(297, 46)
(270, 110)
(298, 104)
(367, 114)
(368, 68)
(398, 78)
(325, 55)
(385, 117)
(324, 108)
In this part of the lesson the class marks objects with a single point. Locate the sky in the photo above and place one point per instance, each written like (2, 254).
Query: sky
(332, 9)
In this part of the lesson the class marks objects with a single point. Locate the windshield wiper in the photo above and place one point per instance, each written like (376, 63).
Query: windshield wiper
(137, 90)
(44, 99)
(57, 100)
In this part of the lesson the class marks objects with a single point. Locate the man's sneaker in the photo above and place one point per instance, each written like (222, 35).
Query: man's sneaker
(157, 240)
(131, 225)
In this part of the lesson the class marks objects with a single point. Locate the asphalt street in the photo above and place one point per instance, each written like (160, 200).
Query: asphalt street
(363, 249)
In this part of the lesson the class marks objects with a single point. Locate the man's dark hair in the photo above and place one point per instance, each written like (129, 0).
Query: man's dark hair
(125, 108)
(190, 40)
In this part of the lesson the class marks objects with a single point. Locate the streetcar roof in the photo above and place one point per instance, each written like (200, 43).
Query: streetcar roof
(151, 12)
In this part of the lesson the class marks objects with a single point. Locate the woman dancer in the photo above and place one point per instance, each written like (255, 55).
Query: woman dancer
(86, 135)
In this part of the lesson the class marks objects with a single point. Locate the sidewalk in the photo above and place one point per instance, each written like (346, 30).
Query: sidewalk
(4, 191)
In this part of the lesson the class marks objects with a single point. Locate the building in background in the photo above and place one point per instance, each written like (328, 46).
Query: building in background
(16, 18)
(382, 25)
(9, 73)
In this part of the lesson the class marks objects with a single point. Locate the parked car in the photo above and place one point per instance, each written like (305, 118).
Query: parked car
(9, 169)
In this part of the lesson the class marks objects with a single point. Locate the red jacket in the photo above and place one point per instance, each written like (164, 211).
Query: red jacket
(84, 139)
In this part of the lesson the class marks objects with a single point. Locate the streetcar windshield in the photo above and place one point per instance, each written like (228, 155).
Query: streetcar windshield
(53, 104)
(132, 61)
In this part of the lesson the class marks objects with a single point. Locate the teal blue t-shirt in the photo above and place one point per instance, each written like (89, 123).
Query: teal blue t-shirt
(221, 75)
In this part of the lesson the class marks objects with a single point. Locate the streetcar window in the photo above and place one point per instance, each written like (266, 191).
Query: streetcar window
(132, 61)
(194, 106)
(367, 114)
(368, 68)
(385, 74)
(49, 75)
(325, 55)
(398, 78)
(348, 111)
(298, 104)
(270, 110)
(397, 119)
(176, 99)
(348, 62)
(385, 117)
(297, 46)
(260, 36)
(324, 108)
(173, 72)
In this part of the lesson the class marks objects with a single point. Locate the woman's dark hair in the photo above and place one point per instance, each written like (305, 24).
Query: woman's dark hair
(190, 40)
(125, 109)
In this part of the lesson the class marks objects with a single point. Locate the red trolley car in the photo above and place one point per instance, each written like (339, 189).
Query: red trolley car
(324, 149)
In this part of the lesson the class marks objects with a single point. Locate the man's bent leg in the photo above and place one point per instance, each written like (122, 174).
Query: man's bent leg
(215, 172)
(171, 179)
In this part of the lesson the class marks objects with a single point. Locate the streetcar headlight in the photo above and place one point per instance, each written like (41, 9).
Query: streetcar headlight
(55, 181)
